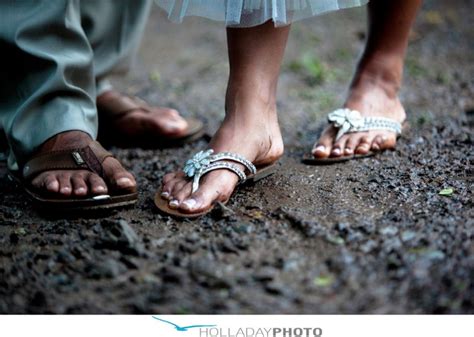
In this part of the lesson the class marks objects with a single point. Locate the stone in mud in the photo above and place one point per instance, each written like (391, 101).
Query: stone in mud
(265, 274)
(108, 268)
(118, 235)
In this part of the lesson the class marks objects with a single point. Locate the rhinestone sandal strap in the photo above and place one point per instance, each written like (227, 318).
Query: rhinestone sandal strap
(217, 166)
(235, 158)
(347, 120)
(381, 123)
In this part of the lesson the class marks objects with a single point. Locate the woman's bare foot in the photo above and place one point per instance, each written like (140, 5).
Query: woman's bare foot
(159, 121)
(80, 183)
(373, 93)
(244, 131)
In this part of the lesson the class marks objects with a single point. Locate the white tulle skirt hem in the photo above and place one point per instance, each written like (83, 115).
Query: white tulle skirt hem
(248, 13)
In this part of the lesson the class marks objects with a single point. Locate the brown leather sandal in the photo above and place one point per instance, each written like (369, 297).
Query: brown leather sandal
(116, 105)
(88, 158)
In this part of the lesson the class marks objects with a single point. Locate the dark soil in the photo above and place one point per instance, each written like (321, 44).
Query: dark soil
(367, 236)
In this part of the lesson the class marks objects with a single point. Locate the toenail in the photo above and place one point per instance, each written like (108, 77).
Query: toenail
(65, 189)
(173, 126)
(348, 150)
(320, 148)
(126, 182)
(174, 203)
(100, 189)
(376, 147)
(53, 184)
(336, 151)
(189, 204)
(165, 195)
(81, 190)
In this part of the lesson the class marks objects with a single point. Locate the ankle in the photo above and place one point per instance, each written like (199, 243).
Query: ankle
(384, 72)
(261, 93)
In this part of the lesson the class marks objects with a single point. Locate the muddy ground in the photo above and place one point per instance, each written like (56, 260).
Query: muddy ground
(368, 236)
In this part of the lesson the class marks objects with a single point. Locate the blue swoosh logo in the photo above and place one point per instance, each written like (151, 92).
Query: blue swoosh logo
(183, 328)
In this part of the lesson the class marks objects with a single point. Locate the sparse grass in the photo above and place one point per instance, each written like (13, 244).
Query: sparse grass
(155, 77)
(414, 68)
(312, 69)
(424, 117)
(324, 100)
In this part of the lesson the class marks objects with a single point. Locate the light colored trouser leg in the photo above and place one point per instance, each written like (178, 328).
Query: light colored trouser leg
(64, 47)
(47, 83)
(114, 41)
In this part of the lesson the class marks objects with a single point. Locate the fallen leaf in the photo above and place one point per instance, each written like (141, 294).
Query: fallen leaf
(446, 191)
(324, 281)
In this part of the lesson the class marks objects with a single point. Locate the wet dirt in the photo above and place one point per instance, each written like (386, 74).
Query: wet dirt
(366, 236)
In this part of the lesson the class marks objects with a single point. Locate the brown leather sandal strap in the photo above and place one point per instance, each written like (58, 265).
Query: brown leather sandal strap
(118, 105)
(89, 158)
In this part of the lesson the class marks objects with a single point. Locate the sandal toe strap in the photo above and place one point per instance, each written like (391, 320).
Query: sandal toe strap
(88, 158)
(205, 161)
(218, 166)
(347, 120)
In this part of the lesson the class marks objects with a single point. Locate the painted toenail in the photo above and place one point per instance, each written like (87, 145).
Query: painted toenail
(126, 182)
(165, 195)
(189, 204)
(174, 203)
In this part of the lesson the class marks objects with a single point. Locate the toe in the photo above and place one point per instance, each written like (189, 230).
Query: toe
(339, 146)
(168, 177)
(388, 141)
(118, 177)
(177, 190)
(323, 147)
(351, 143)
(184, 192)
(168, 186)
(79, 185)
(51, 183)
(168, 121)
(377, 143)
(215, 187)
(65, 186)
(125, 181)
(364, 145)
(96, 184)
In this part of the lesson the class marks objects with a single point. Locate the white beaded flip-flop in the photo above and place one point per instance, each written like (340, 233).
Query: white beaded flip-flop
(204, 162)
(349, 121)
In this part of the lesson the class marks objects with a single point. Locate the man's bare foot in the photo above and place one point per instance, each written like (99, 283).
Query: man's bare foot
(372, 93)
(80, 183)
(250, 129)
(137, 121)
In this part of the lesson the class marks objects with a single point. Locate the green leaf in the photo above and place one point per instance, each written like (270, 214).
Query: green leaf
(155, 77)
(446, 191)
(324, 281)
